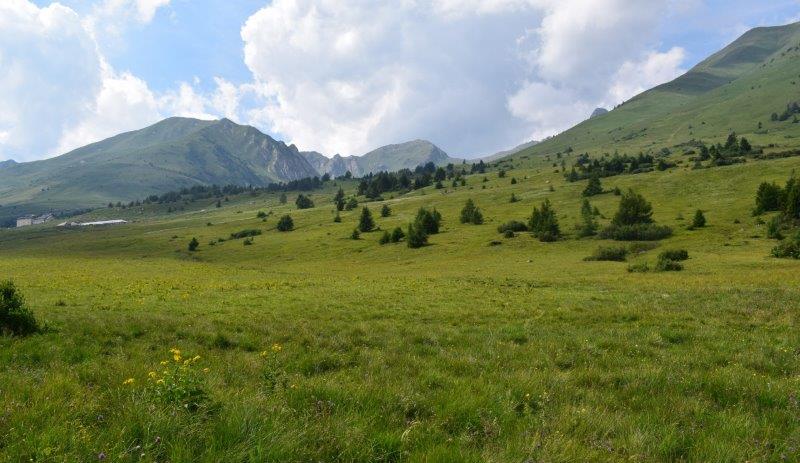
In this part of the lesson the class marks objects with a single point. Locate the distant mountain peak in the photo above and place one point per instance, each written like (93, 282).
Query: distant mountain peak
(598, 112)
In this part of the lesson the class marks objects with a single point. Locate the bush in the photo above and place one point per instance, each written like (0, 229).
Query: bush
(247, 242)
(544, 224)
(386, 211)
(512, 226)
(789, 249)
(593, 187)
(639, 268)
(245, 234)
(639, 232)
(356, 234)
(304, 202)
(261, 215)
(768, 198)
(366, 223)
(699, 220)
(513, 199)
(15, 317)
(676, 255)
(285, 223)
(471, 214)
(606, 253)
(397, 235)
(774, 228)
(508, 234)
(351, 204)
(667, 265)
(193, 244)
(429, 221)
(386, 238)
(417, 236)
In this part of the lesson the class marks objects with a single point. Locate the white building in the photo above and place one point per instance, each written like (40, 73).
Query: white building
(26, 220)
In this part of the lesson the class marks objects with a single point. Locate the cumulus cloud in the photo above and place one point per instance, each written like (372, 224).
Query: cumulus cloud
(348, 75)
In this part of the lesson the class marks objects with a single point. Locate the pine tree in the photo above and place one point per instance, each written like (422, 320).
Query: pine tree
(594, 187)
(544, 224)
(397, 235)
(386, 238)
(193, 244)
(304, 202)
(633, 209)
(386, 211)
(429, 221)
(339, 200)
(471, 214)
(416, 236)
(366, 223)
(589, 225)
(285, 223)
(513, 198)
(699, 220)
(282, 198)
(745, 146)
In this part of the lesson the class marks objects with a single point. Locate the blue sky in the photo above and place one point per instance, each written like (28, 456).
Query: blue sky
(346, 76)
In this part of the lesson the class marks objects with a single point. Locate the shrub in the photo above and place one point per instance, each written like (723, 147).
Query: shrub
(699, 220)
(386, 238)
(397, 235)
(351, 204)
(285, 223)
(247, 242)
(774, 228)
(768, 198)
(261, 215)
(589, 225)
(667, 265)
(544, 224)
(513, 180)
(429, 221)
(283, 198)
(386, 211)
(471, 214)
(788, 249)
(512, 226)
(245, 234)
(416, 236)
(676, 255)
(356, 234)
(513, 199)
(639, 268)
(641, 248)
(606, 253)
(193, 244)
(639, 232)
(508, 233)
(304, 202)
(366, 223)
(15, 317)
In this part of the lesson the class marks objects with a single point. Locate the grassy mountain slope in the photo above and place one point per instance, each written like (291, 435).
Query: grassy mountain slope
(733, 90)
(387, 158)
(174, 153)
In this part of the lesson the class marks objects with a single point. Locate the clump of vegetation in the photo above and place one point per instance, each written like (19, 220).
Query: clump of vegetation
(544, 224)
(676, 255)
(609, 253)
(350, 204)
(338, 200)
(386, 238)
(303, 202)
(397, 235)
(15, 317)
(285, 223)
(366, 224)
(512, 226)
(699, 220)
(261, 215)
(356, 235)
(386, 211)
(245, 233)
(471, 214)
(428, 221)
(513, 198)
(588, 225)
(594, 187)
(639, 268)
(337, 218)
(416, 236)
(193, 244)
(668, 265)
(247, 242)
(789, 248)
(178, 383)
(634, 221)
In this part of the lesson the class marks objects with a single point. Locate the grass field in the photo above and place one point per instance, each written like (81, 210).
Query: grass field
(321, 348)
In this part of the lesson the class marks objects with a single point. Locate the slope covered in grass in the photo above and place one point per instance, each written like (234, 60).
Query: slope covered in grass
(474, 348)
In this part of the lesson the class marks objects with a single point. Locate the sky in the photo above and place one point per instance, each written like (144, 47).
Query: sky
(346, 76)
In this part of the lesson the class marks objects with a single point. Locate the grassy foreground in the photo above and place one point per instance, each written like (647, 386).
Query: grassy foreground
(316, 347)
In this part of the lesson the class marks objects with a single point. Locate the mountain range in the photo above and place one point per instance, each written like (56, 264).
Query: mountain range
(752, 79)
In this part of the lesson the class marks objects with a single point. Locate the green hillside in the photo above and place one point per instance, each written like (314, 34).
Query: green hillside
(174, 153)
(388, 158)
(737, 89)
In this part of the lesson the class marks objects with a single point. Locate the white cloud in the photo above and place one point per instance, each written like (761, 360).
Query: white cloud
(112, 17)
(348, 75)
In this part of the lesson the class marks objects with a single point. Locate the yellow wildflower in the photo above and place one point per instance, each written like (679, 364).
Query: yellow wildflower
(277, 347)
(128, 381)
(177, 358)
(152, 374)
(264, 353)
(165, 362)
(206, 370)
(195, 358)
(160, 381)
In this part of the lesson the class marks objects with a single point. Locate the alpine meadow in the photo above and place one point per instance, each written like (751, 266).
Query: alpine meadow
(625, 290)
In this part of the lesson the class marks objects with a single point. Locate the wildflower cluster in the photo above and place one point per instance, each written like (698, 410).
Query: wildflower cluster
(180, 381)
(274, 375)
